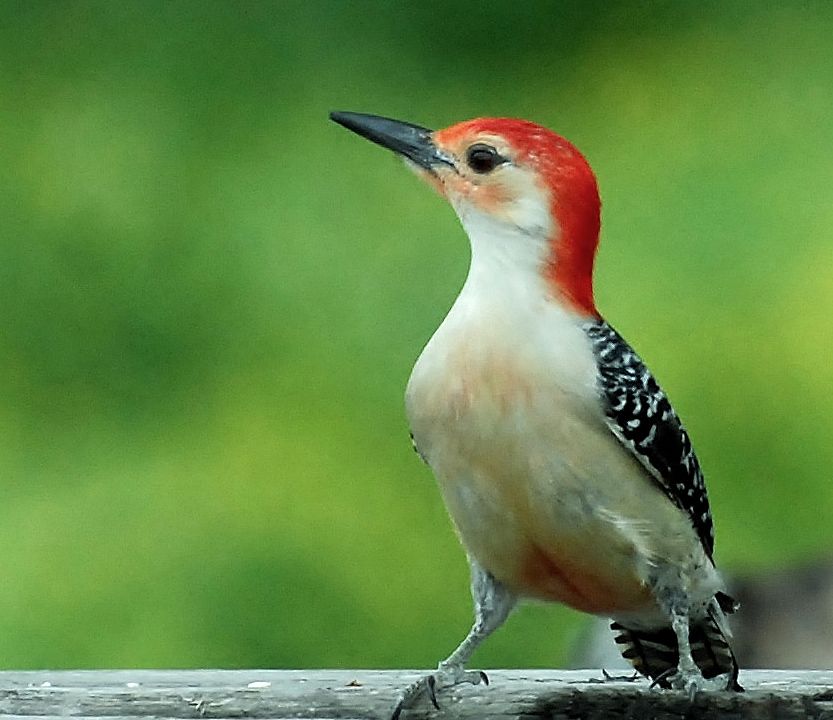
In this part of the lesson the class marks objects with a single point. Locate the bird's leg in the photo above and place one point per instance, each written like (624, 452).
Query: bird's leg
(673, 600)
(687, 676)
(492, 604)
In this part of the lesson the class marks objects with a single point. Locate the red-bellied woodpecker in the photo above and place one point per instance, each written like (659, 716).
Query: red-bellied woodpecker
(567, 473)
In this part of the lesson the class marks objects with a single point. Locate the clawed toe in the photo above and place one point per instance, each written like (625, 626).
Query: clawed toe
(431, 684)
(607, 677)
(692, 683)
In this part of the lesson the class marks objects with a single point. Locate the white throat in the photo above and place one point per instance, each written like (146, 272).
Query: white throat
(507, 263)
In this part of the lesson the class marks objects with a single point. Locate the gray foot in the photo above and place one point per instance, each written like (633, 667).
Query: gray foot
(445, 677)
(693, 682)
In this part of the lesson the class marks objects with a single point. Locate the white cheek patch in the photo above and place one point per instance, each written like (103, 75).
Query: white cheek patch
(514, 199)
(529, 208)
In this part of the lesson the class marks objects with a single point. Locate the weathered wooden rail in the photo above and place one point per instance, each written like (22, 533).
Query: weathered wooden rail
(363, 694)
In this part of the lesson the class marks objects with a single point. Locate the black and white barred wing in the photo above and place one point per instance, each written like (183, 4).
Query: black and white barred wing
(640, 415)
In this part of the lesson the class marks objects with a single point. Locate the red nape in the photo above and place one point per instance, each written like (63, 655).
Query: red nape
(576, 206)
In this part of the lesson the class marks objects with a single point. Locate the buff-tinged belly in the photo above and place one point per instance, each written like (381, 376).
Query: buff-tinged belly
(547, 538)
(547, 500)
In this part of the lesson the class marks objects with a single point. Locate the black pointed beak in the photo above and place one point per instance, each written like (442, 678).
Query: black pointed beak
(412, 141)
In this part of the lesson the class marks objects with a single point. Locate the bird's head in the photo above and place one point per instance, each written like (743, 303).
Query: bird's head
(523, 191)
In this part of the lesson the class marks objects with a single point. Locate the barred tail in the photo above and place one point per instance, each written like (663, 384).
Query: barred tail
(653, 653)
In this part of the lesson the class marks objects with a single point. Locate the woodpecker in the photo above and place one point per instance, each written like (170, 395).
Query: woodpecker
(566, 471)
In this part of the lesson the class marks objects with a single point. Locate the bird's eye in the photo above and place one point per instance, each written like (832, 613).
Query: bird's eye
(483, 158)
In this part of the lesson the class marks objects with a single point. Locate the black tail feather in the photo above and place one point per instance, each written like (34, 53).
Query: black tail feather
(654, 653)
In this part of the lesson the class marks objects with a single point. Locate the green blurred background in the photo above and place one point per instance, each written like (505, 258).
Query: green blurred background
(211, 298)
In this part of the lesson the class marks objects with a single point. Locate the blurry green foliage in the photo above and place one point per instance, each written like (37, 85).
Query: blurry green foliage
(211, 298)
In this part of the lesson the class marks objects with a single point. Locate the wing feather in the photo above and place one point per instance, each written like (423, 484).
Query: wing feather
(641, 417)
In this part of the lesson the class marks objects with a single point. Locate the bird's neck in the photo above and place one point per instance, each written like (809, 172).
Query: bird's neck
(511, 273)
(508, 265)
(570, 269)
